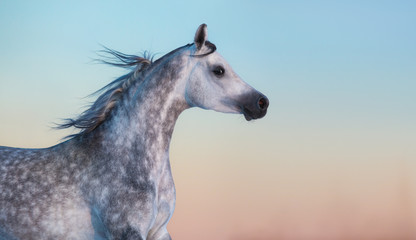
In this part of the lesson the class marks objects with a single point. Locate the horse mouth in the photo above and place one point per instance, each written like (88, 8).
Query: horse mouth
(247, 114)
(250, 115)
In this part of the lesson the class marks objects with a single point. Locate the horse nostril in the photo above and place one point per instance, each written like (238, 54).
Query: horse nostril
(263, 103)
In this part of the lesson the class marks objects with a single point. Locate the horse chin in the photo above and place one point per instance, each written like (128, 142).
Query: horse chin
(247, 117)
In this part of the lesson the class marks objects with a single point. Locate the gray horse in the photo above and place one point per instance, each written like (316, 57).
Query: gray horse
(113, 179)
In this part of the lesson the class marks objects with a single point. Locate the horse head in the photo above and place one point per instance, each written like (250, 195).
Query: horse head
(214, 85)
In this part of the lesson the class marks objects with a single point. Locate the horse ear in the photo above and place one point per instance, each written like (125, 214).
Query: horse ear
(201, 36)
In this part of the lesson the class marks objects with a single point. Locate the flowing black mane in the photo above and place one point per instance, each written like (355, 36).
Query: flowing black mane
(109, 94)
(98, 112)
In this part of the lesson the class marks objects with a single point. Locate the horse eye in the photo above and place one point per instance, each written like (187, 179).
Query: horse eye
(219, 71)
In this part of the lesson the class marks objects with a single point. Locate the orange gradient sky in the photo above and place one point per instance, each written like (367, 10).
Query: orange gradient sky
(334, 159)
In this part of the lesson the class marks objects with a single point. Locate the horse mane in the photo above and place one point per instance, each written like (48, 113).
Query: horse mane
(98, 112)
(111, 93)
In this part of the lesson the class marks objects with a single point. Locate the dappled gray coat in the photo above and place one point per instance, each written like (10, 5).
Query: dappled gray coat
(113, 180)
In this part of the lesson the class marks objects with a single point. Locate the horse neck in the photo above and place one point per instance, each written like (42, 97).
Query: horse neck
(143, 122)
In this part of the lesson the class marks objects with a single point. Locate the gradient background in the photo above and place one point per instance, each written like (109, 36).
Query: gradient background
(335, 158)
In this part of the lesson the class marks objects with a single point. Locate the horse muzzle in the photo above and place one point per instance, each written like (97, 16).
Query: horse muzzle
(255, 107)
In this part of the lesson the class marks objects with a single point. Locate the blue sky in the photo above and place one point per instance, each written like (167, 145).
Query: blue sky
(336, 53)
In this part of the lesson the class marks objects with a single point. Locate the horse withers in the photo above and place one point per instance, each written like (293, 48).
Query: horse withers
(113, 179)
